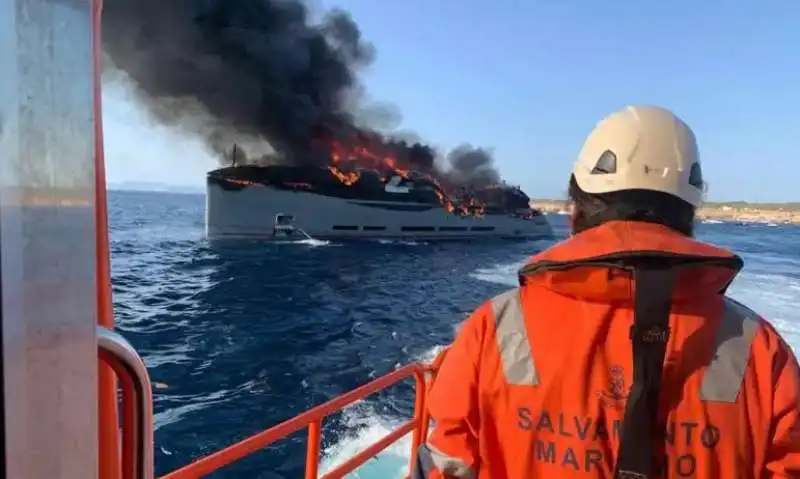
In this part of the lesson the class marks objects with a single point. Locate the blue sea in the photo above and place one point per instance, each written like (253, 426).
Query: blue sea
(240, 336)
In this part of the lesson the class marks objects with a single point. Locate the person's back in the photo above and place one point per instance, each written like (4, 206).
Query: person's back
(619, 355)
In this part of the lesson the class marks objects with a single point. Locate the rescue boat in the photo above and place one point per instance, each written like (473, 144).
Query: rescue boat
(62, 363)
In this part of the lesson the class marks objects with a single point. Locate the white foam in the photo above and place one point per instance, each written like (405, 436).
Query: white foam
(773, 296)
(313, 242)
(364, 428)
(505, 274)
(429, 355)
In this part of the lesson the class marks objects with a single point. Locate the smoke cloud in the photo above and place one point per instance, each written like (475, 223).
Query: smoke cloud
(261, 74)
(472, 165)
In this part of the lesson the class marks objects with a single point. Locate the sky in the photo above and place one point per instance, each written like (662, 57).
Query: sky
(529, 79)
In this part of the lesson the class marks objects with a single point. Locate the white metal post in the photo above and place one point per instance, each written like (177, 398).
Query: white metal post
(47, 227)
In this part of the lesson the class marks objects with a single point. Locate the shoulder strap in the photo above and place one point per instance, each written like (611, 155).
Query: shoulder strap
(641, 439)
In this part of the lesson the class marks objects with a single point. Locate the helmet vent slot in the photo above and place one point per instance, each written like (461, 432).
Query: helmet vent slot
(606, 164)
(696, 176)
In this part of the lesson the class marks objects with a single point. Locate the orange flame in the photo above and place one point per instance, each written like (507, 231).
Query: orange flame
(360, 157)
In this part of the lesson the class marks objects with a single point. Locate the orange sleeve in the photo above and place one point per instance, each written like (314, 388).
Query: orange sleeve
(783, 455)
(451, 451)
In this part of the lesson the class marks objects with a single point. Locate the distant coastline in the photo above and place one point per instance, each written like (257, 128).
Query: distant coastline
(731, 211)
(145, 186)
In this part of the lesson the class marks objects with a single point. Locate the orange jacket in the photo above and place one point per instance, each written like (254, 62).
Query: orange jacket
(536, 381)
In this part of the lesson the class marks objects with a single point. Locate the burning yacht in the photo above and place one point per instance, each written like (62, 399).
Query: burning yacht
(335, 202)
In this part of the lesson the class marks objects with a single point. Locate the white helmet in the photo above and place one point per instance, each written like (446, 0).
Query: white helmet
(641, 147)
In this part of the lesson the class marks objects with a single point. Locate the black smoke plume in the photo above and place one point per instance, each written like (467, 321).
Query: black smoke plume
(474, 166)
(261, 69)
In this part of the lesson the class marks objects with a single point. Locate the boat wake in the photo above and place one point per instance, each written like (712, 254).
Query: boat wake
(312, 242)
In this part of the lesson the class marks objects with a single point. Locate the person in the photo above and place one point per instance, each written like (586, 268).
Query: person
(619, 354)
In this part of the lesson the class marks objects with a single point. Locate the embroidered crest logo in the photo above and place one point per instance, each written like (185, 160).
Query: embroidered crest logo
(616, 393)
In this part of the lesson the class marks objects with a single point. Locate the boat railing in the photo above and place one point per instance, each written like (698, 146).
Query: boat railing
(137, 419)
(312, 420)
(137, 403)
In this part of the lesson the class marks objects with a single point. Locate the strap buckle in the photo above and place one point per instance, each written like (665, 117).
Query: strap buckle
(649, 334)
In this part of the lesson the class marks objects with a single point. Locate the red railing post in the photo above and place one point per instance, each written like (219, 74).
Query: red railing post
(137, 401)
(108, 415)
(312, 419)
(420, 417)
(312, 449)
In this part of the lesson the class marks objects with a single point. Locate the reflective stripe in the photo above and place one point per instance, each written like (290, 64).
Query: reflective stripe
(512, 340)
(428, 458)
(721, 381)
(723, 378)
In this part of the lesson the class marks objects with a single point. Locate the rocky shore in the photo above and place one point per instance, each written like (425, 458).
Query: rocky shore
(742, 212)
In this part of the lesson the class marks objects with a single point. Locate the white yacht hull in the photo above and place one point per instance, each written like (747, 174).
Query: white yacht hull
(251, 213)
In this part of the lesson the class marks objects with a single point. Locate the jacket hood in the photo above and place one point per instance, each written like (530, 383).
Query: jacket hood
(598, 264)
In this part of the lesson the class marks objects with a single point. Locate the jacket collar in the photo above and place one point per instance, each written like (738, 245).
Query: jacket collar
(597, 264)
